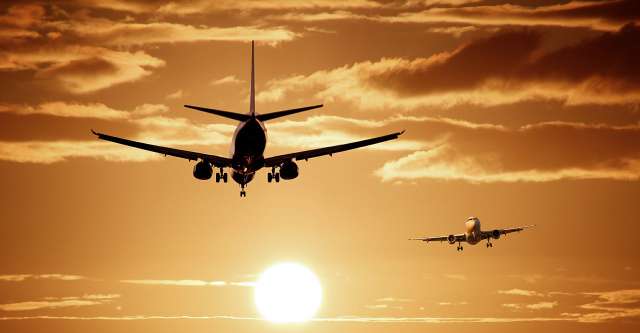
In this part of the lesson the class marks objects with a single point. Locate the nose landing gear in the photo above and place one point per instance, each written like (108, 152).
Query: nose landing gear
(459, 247)
(243, 193)
(489, 244)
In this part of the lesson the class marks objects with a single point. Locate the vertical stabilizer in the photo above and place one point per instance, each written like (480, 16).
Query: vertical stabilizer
(252, 98)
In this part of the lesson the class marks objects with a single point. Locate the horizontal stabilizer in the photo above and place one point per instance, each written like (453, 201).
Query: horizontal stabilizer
(278, 114)
(226, 114)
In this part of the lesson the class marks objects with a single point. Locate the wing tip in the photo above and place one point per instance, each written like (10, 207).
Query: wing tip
(94, 132)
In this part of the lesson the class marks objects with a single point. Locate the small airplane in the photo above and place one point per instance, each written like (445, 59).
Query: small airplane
(247, 146)
(473, 234)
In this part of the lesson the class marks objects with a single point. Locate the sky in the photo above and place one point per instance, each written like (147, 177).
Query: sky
(518, 112)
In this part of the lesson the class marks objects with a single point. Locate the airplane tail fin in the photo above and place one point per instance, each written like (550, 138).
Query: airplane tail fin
(252, 98)
(252, 103)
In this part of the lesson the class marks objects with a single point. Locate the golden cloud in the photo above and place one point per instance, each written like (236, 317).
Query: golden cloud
(601, 70)
(59, 302)
(598, 15)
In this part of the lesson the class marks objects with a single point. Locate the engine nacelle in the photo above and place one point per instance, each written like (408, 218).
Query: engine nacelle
(495, 234)
(202, 170)
(289, 170)
(451, 239)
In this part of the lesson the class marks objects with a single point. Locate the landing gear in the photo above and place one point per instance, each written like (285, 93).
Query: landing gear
(273, 175)
(459, 247)
(489, 244)
(221, 176)
(243, 193)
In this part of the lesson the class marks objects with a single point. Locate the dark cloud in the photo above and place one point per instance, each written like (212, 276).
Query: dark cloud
(511, 60)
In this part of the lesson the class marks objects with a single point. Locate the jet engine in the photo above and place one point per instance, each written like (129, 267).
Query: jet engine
(202, 170)
(495, 234)
(451, 239)
(289, 170)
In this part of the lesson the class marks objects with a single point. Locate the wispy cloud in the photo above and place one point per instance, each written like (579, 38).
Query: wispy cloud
(521, 292)
(23, 277)
(175, 95)
(542, 305)
(394, 300)
(60, 302)
(611, 305)
(89, 110)
(189, 283)
(229, 79)
(597, 15)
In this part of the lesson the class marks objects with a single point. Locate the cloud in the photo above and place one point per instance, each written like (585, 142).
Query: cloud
(338, 15)
(23, 15)
(80, 69)
(59, 302)
(521, 292)
(17, 35)
(175, 95)
(533, 306)
(183, 283)
(512, 306)
(74, 110)
(23, 277)
(601, 70)
(455, 31)
(394, 300)
(82, 54)
(229, 79)
(170, 7)
(107, 32)
(496, 155)
(611, 305)
(598, 15)
(189, 283)
(542, 305)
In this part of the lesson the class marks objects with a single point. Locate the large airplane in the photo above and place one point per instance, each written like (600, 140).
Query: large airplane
(247, 146)
(473, 234)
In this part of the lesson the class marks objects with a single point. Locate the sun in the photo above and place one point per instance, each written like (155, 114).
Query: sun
(288, 292)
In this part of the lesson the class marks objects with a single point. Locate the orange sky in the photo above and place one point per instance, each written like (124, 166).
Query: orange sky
(519, 113)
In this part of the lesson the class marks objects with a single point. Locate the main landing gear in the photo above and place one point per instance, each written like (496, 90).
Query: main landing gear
(221, 176)
(489, 244)
(459, 247)
(273, 175)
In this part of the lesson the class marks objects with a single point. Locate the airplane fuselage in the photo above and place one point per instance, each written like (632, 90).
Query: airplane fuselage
(473, 232)
(247, 150)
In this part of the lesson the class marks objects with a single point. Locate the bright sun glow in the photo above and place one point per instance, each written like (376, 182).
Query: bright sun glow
(288, 292)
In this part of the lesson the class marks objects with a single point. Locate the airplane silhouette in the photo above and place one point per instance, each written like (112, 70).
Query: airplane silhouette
(248, 145)
(473, 234)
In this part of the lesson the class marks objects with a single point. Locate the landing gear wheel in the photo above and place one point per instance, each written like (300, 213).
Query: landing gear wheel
(217, 177)
(225, 177)
(277, 177)
(269, 177)
(243, 193)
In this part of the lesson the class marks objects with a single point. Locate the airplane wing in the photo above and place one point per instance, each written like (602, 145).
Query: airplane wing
(307, 154)
(502, 232)
(458, 238)
(189, 155)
